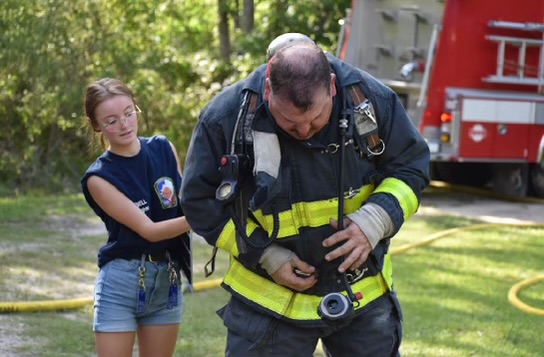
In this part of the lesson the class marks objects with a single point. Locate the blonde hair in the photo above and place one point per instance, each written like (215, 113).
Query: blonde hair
(98, 92)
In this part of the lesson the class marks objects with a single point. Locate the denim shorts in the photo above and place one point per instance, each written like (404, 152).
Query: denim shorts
(116, 297)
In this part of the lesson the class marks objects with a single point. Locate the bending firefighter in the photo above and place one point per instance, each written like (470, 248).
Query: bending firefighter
(274, 160)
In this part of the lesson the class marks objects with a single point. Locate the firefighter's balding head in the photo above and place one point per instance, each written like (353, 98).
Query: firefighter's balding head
(285, 40)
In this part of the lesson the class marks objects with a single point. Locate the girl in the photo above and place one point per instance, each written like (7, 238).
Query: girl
(133, 186)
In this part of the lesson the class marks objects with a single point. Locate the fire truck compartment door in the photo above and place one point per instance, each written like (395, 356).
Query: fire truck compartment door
(495, 128)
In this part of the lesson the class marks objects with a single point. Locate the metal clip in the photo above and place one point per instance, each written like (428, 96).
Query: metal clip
(377, 152)
(173, 276)
(366, 109)
(332, 148)
(141, 276)
(356, 275)
(173, 291)
(351, 193)
(141, 286)
(365, 120)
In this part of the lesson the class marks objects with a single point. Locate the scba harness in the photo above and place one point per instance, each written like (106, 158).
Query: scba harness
(358, 113)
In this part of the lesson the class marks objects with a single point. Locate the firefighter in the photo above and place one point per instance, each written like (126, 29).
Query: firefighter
(303, 172)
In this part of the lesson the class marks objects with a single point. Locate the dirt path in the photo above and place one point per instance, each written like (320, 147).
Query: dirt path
(484, 208)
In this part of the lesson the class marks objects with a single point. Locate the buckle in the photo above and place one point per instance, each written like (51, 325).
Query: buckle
(356, 275)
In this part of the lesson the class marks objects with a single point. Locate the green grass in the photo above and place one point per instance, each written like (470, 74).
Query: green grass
(453, 291)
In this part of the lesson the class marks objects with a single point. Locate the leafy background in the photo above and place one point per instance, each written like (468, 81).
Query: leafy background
(175, 54)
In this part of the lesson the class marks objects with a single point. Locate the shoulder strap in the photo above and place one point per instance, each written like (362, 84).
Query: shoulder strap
(365, 121)
(241, 137)
(242, 131)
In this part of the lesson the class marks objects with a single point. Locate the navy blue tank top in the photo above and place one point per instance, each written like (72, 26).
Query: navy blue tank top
(152, 181)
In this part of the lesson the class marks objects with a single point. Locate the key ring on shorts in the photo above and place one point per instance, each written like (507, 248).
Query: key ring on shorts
(173, 291)
(173, 275)
(141, 286)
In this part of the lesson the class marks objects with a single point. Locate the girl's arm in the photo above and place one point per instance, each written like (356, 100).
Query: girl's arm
(124, 211)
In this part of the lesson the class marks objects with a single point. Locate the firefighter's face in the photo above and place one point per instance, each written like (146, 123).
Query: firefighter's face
(297, 122)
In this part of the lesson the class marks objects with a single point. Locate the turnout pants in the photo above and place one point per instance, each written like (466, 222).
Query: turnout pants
(373, 331)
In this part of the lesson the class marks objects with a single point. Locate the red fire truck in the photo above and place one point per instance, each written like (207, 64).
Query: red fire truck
(470, 74)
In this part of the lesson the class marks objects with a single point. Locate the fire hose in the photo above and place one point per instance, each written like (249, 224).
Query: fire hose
(514, 290)
(52, 305)
(66, 304)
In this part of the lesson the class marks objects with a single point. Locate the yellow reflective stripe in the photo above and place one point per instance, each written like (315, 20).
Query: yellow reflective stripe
(387, 271)
(297, 306)
(403, 193)
(302, 214)
(311, 214)
(227, 238)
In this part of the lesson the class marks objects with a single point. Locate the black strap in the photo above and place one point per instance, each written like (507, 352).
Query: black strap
(241, 133)
(209, 268)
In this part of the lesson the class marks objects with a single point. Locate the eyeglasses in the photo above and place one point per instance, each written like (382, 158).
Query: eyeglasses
(114, 124)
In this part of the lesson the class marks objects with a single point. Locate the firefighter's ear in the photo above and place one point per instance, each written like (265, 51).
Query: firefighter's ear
(267, 78)
(333, 84)
(266, 89)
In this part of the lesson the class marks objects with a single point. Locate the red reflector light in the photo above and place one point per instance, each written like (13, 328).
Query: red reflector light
(445, 117)
(427, 115)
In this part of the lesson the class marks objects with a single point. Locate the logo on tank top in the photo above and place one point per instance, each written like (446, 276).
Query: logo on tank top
(166, 192)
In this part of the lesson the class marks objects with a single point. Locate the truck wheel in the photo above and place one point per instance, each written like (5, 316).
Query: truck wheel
(537, 179)
(511, 179)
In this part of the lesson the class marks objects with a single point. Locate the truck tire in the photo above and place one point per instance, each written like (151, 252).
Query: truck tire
(537, 179)
(511, 179)
(467, 173)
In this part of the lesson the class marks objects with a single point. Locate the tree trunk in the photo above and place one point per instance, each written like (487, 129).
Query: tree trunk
(236, 14)
(224, 36)
(248, 18)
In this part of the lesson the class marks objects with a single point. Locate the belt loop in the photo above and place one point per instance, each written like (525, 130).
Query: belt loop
(142, 263)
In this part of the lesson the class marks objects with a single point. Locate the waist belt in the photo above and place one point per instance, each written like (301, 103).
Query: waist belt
(155, 257)
(297, 306)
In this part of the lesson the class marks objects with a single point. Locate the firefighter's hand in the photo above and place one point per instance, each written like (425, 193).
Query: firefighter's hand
(353, 246)
(296, 275)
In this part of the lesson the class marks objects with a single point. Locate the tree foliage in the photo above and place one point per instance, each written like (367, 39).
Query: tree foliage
(168, 51)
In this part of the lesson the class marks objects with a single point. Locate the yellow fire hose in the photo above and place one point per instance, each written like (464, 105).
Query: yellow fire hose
(514, 300)
(514, 290)
(53, 305)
